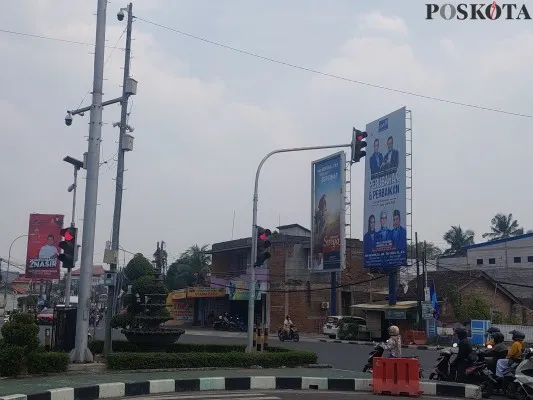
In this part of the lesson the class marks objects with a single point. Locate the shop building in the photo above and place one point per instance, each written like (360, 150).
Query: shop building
(286, 278)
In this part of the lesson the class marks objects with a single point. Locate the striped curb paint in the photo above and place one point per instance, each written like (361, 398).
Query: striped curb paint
(126, 389)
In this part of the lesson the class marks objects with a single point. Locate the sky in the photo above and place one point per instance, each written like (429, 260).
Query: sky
(205, 115)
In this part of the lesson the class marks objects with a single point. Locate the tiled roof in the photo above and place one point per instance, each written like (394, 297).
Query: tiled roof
(98, 270)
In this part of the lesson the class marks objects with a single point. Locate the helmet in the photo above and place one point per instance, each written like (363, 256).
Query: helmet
(492, 330)
(461, 333)
(517, 335)
(394, 330)
(498, 337)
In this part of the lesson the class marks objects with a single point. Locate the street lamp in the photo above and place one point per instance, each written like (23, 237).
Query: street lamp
(8, 263)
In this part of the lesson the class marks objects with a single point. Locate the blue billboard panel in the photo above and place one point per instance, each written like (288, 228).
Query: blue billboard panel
(385, 234)
(328, 213)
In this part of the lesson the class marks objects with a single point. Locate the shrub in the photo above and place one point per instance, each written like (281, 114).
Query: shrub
(133, 361)
(12, 360)
(43, 362)
(21, 331)
(120, 346)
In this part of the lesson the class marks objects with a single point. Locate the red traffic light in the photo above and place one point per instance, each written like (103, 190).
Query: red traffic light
(360, 138)
(67, 234)
(263, 236)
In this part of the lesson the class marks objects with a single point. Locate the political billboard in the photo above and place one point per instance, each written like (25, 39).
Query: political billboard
(385, 234)
(43, 240)
(328, 185)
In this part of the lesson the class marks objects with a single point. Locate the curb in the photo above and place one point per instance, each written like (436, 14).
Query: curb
(126, 389)
(404, 346)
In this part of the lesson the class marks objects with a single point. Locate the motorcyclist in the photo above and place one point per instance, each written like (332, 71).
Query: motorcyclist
(492, 330)
(287, 324)
(394, 343)
(514, 354)
(497, 352)
(463, 359)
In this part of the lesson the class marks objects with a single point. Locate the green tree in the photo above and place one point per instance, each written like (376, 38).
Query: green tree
(473, 307)
(433, 251)
(457, 239)
(192, 267)
(137, 267)
(503, 226)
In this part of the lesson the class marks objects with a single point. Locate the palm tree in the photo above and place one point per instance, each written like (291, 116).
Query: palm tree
(458, 238)
(192, 267)
(503, 226)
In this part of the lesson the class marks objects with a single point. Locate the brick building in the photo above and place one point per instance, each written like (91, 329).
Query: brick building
(293, 289)
(456, 286)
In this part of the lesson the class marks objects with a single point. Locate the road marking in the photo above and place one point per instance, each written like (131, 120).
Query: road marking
(238, 396)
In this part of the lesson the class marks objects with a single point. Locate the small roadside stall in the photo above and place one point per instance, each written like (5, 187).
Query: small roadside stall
(380, 315)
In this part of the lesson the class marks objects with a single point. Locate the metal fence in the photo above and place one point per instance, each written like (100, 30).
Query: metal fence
(505, 329)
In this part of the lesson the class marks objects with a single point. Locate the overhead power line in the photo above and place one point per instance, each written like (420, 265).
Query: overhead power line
(290, 65)
(54, 39)
(338, 77)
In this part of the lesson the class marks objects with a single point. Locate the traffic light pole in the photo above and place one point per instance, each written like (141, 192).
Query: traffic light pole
(251, 284)
(119, 183)
(72, 224)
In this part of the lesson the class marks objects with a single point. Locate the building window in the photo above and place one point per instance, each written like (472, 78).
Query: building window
(530, 259)
(479, 261)
(492, 261)
(517, 260)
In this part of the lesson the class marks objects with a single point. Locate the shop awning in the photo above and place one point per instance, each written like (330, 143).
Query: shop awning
(385, 306)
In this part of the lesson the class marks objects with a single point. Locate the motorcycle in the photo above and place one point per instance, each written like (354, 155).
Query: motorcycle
(477, 373)
(292, 335)
(222, 324)
(523, 383)
(379, 349)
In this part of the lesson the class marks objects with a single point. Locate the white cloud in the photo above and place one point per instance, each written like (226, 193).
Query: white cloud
(377, 22)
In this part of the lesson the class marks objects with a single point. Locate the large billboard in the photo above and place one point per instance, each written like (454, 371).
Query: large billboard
(385, 235)
(43, 239)
(328, 222)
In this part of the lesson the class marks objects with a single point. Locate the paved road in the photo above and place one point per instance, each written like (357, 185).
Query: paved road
(345, 357)
(272, 395)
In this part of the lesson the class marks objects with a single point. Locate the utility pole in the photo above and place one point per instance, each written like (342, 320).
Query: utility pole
(251, 287)
(418, 284)
(77, 164)
(81, 353)
(119, 183)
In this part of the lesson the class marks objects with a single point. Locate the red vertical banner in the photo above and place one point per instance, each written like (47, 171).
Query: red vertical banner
(43, 240)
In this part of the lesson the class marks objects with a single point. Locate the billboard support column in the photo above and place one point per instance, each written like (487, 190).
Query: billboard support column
(251, 295)
(392, 287)
(333, 293)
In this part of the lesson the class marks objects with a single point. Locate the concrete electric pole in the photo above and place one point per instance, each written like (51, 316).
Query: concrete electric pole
(124, 145)
(81, 353)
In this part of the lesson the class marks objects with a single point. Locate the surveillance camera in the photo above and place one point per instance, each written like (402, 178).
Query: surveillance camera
(71, 188)
(131, 128)
(68, 119)
(120, 15)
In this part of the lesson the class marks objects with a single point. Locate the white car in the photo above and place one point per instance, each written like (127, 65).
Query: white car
(331, 326)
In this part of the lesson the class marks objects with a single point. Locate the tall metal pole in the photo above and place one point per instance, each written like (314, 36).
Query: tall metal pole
(251, 287)
(81, 353)
(8, 264)
(68, 282)
(119, 184)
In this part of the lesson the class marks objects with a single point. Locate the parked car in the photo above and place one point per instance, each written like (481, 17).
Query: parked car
(331, 325)
(352, 328)
(45, 317)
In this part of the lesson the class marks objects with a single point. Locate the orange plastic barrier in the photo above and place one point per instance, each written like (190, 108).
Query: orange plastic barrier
(396, 376)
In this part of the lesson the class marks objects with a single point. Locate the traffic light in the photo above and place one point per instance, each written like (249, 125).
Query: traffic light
(263, 239)
(68, 244)
(358, 144)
